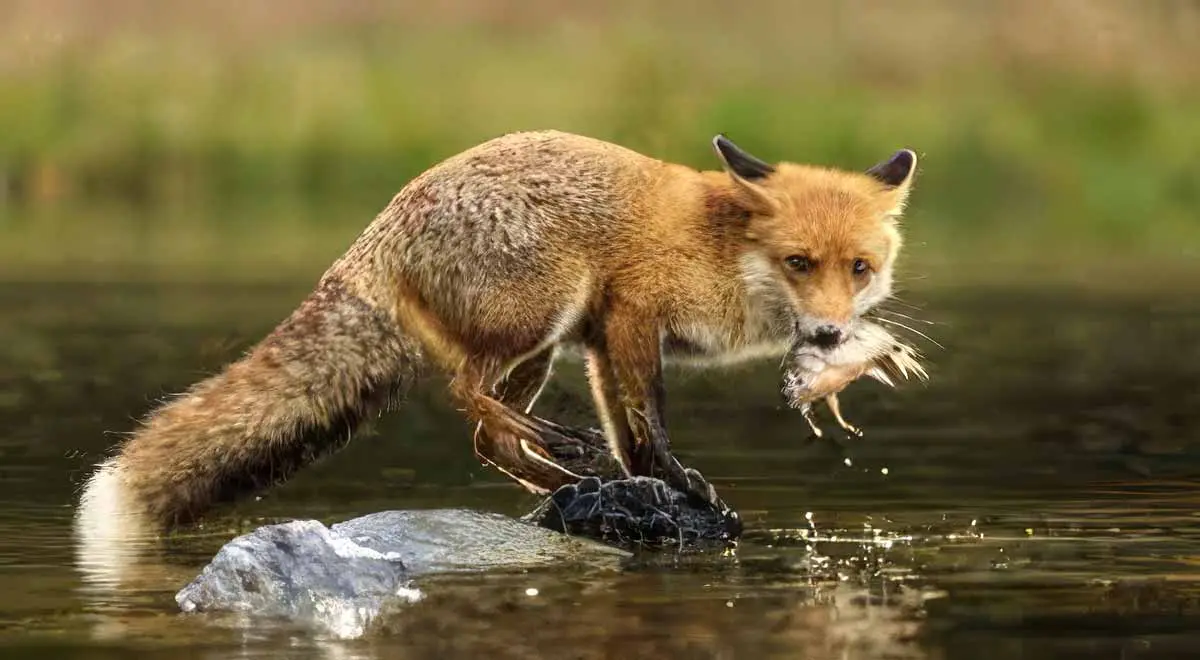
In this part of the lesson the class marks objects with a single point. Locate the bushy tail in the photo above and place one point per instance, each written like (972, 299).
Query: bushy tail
(296, 396)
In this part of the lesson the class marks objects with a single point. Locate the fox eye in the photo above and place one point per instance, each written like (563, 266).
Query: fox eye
(860, 266)
(798, 263)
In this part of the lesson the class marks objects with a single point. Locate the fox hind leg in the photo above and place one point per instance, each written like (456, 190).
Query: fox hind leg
(506, 438)
(579, 452)
(519, 391)
(523, 385)
(494, 389)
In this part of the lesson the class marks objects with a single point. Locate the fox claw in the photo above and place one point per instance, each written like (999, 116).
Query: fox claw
(691, 483)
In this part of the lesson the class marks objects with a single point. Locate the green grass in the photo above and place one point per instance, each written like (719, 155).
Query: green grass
(179, 156)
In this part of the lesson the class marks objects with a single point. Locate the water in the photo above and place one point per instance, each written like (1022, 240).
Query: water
(1037, 499)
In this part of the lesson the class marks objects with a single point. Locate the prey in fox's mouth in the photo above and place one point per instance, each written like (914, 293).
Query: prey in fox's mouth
(815, 372)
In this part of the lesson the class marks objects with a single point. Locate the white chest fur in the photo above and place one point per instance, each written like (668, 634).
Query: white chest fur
(763, 328)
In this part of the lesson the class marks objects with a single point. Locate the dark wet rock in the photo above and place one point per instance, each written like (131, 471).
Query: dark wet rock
(637, 512)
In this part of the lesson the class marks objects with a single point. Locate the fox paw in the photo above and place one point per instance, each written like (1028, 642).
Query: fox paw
(691, 483)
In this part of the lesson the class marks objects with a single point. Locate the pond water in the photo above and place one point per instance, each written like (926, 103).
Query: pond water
(1038, 498)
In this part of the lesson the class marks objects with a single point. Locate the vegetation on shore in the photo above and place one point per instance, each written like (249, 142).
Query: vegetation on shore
(183, 141)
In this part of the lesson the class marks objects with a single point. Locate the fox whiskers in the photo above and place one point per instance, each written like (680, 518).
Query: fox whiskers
(911, 329)
(884, 313)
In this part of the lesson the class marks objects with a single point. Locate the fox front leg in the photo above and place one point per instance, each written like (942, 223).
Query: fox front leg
(632, 350)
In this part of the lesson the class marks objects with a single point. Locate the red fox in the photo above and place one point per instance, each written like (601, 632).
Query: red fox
(488, 263)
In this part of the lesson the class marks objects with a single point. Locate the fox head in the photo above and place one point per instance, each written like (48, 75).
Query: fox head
(824, 239)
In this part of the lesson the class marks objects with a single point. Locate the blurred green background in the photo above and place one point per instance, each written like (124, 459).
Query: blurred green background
(254, 140)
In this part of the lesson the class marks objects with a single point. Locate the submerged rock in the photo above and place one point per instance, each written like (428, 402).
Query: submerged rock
(626, 512)
(445, 540)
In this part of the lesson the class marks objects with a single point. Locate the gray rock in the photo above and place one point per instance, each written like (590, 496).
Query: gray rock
(299, 570)
(338, 579)
(448, 540)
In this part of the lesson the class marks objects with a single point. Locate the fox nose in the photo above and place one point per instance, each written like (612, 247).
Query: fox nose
(827, 336)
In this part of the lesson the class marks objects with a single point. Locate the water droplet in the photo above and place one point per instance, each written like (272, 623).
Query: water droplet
(884, 471)
(848, 462)
(531, 591)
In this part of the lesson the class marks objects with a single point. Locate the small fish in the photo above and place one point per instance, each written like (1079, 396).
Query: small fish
(813, 374)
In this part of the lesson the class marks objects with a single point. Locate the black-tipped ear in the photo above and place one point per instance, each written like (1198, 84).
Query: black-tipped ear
(739, 162)
(896, 170)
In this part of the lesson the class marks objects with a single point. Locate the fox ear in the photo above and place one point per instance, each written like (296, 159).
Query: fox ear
(747, 172)
(897, 171)
(897, 174)
(739, 163)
